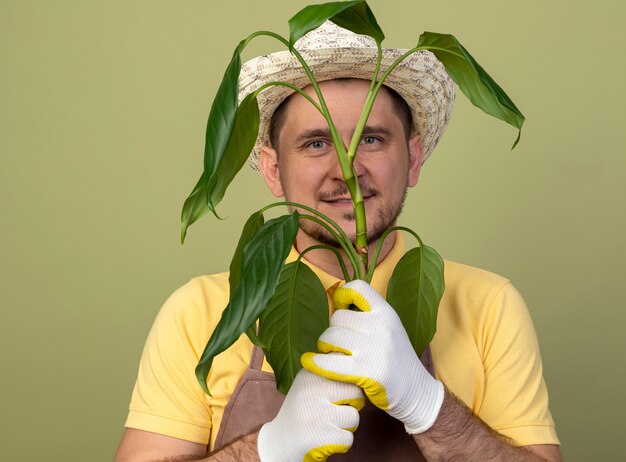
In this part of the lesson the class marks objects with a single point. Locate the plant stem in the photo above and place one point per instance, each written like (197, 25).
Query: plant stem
(339, 234)
(346, 275)
(410, 231)
(314, 84)
(294, 88)
(352, 182)
(345, 246)
(345, 159)
(357, 198)
(370, 272)
(396, 62)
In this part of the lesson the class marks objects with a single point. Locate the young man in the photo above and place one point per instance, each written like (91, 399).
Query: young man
(485, 399)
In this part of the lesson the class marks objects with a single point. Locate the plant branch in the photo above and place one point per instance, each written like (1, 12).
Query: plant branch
(410, 231)
(308, 209)
(314, 84)
(339, 234)
(379, 58)
(371, 97)
(294, 88)
(346, 275)
(370, 271)
(395, 64)
(344, 245)
(345, 161)
(359, 206)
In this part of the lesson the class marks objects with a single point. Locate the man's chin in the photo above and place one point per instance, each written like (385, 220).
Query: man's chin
(321, 235)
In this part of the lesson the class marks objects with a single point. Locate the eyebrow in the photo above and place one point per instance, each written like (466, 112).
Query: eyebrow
(314, 133)
(377, 130)
(325, 132)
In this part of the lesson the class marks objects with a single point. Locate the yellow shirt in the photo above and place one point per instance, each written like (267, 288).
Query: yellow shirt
(485, 351)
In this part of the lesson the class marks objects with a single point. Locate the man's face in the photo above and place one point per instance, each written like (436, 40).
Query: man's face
(304, 167)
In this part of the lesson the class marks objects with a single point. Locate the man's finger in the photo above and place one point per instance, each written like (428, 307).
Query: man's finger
(350, 319)
(341, 393)
(346, 416)
(331, 366)
(345, 297)
(339, 340)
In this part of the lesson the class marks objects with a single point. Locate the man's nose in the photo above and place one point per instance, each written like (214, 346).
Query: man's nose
(358, 166)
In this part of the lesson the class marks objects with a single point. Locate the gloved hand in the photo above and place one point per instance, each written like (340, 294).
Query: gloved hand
(313, 422)
(378, 357)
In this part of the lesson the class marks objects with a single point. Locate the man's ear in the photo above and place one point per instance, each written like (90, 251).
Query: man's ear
(416, 158)
(268, 162)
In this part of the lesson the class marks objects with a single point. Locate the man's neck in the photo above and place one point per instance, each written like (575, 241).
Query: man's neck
(327, 260)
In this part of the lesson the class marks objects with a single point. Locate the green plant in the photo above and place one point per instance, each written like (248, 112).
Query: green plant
(289, 301)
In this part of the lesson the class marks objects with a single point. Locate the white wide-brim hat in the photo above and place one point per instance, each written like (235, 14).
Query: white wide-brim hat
(333, 53)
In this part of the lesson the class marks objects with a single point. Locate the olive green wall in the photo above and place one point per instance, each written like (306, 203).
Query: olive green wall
(102, 111)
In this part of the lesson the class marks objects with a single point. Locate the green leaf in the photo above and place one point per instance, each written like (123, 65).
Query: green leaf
(221, 119)
(293, 321)
(472, 79)
(220, 126)
(251, 227)
(415, 289)
(230, 137)
(361, 20)
(253, 224)
(238, 150)
(313, 16)
(263, 259)
(195, 206)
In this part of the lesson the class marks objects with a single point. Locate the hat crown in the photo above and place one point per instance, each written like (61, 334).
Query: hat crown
(330, 35)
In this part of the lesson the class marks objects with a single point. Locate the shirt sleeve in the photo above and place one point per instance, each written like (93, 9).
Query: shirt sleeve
(515, 399)
(167, 398)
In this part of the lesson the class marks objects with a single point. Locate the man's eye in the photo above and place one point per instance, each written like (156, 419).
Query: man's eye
(369, 140)
(317, 144)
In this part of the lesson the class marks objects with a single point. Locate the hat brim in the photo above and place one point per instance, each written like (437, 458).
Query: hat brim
(420, 79)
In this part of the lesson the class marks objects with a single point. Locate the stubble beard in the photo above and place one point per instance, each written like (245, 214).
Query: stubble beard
(386, 218)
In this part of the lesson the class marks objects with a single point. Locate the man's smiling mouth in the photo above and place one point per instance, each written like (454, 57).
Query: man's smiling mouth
(339, 200)
(341, 195)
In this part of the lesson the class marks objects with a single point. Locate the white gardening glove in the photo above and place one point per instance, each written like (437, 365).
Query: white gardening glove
(313, 422)
(378, 357)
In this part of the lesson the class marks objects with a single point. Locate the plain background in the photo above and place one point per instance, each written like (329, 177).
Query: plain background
(102, 114)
